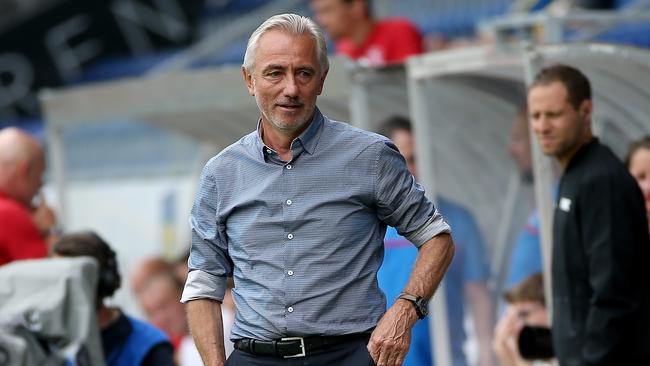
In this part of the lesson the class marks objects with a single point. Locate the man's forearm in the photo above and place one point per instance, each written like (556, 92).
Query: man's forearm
(432, 262)
(206, 326)
(390, 340)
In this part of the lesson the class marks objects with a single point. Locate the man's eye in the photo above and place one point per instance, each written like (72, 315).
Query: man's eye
(305, 74)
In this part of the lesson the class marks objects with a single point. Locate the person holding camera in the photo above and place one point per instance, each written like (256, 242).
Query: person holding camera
(526, 307)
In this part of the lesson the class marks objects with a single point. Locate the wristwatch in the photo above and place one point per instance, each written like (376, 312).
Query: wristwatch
(421, 305)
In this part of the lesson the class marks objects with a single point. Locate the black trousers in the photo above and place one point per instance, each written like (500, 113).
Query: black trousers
(351, 353)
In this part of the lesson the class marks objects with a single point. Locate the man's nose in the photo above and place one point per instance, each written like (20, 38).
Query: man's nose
(645, 186)
(290, 87)
(541, 124)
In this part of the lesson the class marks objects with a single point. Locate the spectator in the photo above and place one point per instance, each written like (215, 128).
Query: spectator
(526, 257)
(158, 298)
(359, 36)
(158, 289)
(22, 163)
(601, 246)
(146, 270)
(526, 307)
(466, 278)
(125, 340)
(638, 163)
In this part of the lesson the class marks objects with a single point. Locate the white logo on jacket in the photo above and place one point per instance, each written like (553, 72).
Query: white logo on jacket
(565, 204)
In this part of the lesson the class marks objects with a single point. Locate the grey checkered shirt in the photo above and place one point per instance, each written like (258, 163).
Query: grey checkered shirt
(303, 239)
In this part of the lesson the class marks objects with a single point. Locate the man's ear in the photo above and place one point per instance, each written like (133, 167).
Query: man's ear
(322, 82)
(23, 167)
(585, 110)
(248, 79)
(360, 8)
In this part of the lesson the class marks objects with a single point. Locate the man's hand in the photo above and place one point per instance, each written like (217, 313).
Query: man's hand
(390, 341)
(505, 338)
(44, 218)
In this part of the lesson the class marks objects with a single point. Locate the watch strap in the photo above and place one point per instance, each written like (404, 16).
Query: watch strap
(416, 301)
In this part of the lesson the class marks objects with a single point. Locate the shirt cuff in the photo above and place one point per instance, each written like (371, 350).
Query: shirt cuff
(436, 225)
(203, 285)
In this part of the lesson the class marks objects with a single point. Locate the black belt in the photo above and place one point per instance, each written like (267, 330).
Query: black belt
(293, 346)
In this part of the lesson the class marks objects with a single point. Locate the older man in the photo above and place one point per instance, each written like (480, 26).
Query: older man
(296, 212)
(601, 249)
(22, 163)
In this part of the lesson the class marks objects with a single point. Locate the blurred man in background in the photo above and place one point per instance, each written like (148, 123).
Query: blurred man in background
(360, 37)
(601, 247)
(24, 227)
(157, 287)
(144, 271)
(158, 298)
(466, 278)
(526, 257)
(126, 341)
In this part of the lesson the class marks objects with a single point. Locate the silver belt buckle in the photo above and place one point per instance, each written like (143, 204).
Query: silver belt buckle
(302, 346)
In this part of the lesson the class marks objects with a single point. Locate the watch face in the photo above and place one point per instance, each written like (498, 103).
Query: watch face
(423, 307)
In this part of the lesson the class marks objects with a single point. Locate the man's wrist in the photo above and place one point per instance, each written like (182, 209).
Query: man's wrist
(406, 307)
(420, 304)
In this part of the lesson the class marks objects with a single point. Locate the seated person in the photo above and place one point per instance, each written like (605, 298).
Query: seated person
(125, 340)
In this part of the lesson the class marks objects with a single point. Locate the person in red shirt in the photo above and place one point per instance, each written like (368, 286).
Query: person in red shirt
(360, 37)
(22, 163)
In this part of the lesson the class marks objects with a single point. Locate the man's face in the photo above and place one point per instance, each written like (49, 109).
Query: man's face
(31, 177)
(335, 16)
(559, 127)
(159, 301)
(519, 147)
(405, 143)
(286, 79)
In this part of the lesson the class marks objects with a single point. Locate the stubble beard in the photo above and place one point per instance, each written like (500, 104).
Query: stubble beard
(278, 124)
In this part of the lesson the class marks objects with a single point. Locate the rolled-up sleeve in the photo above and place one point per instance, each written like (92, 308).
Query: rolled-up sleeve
(209, 263)
(401, 200)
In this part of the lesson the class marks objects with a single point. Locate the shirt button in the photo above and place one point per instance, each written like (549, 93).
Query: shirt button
(290, 309)
(290, 236)
(289, 202)
(269, 151)
(290, 273)
(289, 166)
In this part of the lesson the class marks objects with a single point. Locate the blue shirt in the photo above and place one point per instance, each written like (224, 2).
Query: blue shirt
(303, 239)
(526, 258)
(469, 265)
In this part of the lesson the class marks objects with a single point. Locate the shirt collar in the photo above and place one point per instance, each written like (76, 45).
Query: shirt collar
(308, 139)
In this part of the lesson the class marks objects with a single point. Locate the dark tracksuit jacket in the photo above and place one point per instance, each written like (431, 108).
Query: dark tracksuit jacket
(601, 264)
